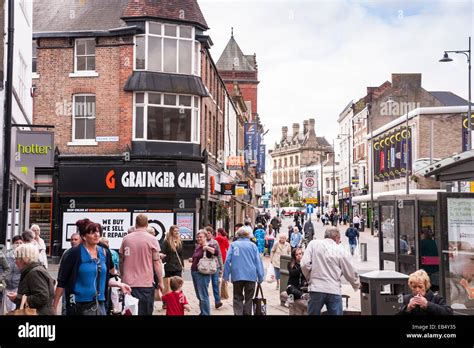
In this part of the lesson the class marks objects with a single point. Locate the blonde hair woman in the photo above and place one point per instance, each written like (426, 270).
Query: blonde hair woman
(35, 282)
(174, 261)
(423, 301)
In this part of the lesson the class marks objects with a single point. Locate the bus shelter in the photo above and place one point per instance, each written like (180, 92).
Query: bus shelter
(409, 237)
(456, 223)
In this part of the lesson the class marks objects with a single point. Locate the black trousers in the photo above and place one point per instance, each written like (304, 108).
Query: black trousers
(293, 290)
(243, 296)
(146, 299)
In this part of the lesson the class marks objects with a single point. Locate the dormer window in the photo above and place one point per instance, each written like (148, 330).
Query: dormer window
(167, 48)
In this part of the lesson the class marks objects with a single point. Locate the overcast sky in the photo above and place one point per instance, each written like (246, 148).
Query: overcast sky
(314, 57)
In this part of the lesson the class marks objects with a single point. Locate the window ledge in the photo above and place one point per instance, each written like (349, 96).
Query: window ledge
(35, 76)
(84, 74)
(83, 143)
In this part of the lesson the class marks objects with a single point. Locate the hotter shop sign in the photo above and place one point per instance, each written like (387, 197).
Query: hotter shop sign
(180, 178)
(34, 149)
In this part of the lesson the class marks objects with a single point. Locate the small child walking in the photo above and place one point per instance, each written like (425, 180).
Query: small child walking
(176, 302)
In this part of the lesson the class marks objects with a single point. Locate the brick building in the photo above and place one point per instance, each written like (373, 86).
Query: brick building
(300, 149)
(135, 99)
(435, 123)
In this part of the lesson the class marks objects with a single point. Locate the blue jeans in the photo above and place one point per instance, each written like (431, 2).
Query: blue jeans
(201, 284)
(215, 286)
(270, 245)
(352, 247)
(317, 300)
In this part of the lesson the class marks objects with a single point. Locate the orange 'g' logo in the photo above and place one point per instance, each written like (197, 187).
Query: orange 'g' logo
(110, 180)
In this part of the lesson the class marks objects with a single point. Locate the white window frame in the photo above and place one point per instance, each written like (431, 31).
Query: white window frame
(22, 89)
(178, 38)
(73, 135)
(82, 73)
(195, 117)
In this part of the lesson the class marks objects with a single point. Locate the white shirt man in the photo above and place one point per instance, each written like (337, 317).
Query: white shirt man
(324, 263)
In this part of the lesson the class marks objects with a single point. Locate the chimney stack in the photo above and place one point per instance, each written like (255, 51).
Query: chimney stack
(296, 129)
(305, 126)
(311, 125)
(284, 132)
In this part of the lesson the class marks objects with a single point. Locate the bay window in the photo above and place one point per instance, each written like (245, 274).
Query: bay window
(166, 117)
(167, 48)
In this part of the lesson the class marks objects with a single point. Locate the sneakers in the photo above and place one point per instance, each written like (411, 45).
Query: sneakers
(219, 305)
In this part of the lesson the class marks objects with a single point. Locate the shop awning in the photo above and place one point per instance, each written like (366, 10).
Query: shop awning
(399, 193)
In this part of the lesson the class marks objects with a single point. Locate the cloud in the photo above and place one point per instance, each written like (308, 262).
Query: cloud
(314, 57)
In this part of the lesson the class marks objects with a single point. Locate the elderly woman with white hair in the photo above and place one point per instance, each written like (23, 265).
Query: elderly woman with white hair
(43, 257)
(279, 249)
(35, 282)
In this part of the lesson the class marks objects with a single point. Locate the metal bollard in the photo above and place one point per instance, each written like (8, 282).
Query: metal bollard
(363, 251)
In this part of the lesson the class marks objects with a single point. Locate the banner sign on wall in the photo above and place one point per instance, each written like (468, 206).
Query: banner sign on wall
(251, 143)
(261, 159)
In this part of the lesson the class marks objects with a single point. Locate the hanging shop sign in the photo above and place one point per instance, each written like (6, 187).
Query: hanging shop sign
(34, 149)
(235, 163)
(228, 189)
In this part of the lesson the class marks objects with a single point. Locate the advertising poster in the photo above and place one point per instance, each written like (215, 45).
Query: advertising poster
(185, 222)
(115, 224)
(161, 222)
(459, 281)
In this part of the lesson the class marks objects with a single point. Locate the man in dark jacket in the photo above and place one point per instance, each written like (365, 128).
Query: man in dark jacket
(308, 230)
(276, 224)
(353, 236)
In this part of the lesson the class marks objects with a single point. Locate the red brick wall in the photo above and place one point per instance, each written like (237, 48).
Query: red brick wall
(55, 89)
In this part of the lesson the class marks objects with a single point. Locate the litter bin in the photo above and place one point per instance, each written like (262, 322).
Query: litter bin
(380, 292)
(285, 274)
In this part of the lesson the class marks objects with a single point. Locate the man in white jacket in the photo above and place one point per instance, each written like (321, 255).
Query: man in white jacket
(324, 263)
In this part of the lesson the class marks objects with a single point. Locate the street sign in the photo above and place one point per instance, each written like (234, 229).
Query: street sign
(309, 185)
(309, 209)
(310, 200)
(334, 193)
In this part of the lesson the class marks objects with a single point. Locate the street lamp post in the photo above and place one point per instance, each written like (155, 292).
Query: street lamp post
(333, 176)
(350, 173)
(372, 162)
(467, 53)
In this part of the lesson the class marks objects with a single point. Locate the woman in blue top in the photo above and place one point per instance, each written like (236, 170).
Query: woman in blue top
(84, 274)
(260, 235)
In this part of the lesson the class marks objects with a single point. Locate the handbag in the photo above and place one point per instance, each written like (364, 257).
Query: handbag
(24, 308)
(259, 303)
(207, 265)
(224, 290)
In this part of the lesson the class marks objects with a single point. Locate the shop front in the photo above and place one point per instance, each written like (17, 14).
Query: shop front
(114, 194)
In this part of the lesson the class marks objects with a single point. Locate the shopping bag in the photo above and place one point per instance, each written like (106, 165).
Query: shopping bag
(24, 308)
(224, 290)
(131, 305)
(259, 303)
(270, 277)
